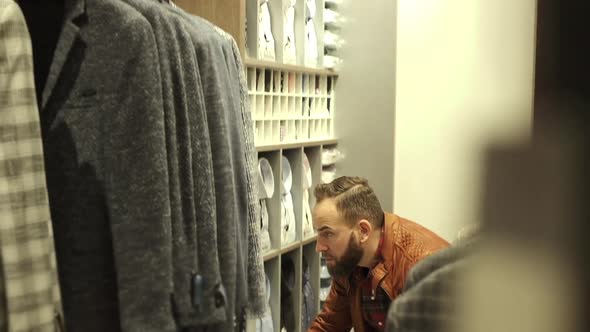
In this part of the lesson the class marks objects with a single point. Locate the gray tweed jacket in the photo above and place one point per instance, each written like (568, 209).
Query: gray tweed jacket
(106, 163)
(192, 198)
(127, 168)
(233, 159)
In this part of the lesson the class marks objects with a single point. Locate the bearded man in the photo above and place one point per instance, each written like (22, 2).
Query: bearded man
(368, 253)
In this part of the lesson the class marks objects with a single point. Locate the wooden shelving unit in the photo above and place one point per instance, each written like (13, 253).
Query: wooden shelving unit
(290, 107)
(303, 248)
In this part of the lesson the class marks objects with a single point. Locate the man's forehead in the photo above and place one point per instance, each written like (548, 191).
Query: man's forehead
(324, 223)
(326, 214)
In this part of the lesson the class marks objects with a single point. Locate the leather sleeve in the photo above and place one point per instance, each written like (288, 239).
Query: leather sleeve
(335, 315)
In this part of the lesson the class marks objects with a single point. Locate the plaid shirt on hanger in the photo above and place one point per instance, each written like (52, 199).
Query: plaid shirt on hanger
(374, 302)
(29, 289)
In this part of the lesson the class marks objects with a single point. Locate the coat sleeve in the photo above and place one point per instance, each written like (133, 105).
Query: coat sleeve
(203, 187)
(256, 277)
(335, 315)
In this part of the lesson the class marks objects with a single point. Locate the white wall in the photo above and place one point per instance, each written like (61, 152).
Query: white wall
(464, 77)
(365, 95)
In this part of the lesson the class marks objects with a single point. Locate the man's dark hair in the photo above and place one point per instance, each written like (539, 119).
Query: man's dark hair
(354, 199)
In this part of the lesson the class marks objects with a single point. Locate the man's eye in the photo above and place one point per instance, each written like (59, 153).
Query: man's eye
(328, 234)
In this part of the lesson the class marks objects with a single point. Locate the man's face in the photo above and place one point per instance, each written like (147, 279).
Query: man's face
(338, 242)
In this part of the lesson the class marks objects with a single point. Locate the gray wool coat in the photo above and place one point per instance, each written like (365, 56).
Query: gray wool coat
(233, 153)
(106, 164)
(109, 136)
(223, 164)
(192, 198)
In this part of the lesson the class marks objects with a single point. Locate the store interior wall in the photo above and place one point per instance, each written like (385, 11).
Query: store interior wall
(464, 80)
(365, 103)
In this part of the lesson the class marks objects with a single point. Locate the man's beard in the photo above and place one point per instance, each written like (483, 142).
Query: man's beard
(344, 266)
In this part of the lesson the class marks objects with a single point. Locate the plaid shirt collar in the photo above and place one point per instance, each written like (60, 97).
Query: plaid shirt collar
(374, 302)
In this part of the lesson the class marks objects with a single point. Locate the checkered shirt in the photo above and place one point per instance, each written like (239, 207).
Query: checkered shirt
(29, 291)
(428, 306)
(427, 303)
(374, 302)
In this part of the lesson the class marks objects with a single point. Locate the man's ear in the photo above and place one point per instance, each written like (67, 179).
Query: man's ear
(365, 229)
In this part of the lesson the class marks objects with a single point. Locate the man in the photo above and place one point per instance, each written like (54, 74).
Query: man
(368, 253)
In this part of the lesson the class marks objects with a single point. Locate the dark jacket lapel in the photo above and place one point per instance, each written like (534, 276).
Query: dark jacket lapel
(75, 9)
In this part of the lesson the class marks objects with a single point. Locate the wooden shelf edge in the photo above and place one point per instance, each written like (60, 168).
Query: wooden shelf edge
(290, 95)
(286, 67)
(286, 146)
(309, 118)
(290, 247)
(271, 254)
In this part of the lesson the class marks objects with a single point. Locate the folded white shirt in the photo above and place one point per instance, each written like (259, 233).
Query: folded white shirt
(331, 61)
(288, 223)
(333, 40)
(331, 156)
(266, 42)
(266, 181)
(311, 8)
(328, 176)
(331, 16)
(289, 50)
(311, 44)
(265, 323)
(307, 219)
(265, 243)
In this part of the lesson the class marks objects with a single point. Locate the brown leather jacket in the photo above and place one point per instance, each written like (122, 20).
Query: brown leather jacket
(405, 243)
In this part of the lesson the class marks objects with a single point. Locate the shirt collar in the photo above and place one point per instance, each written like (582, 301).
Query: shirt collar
(378, 253)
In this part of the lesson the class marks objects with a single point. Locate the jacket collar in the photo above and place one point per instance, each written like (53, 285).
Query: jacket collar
(389, 242)
(383, 268)
(74, 19)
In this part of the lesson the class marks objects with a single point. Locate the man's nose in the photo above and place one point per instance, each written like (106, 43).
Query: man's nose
(320, 247)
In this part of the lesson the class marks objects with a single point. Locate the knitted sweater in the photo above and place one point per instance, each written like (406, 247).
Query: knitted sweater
(255, 265)
(256, 276)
